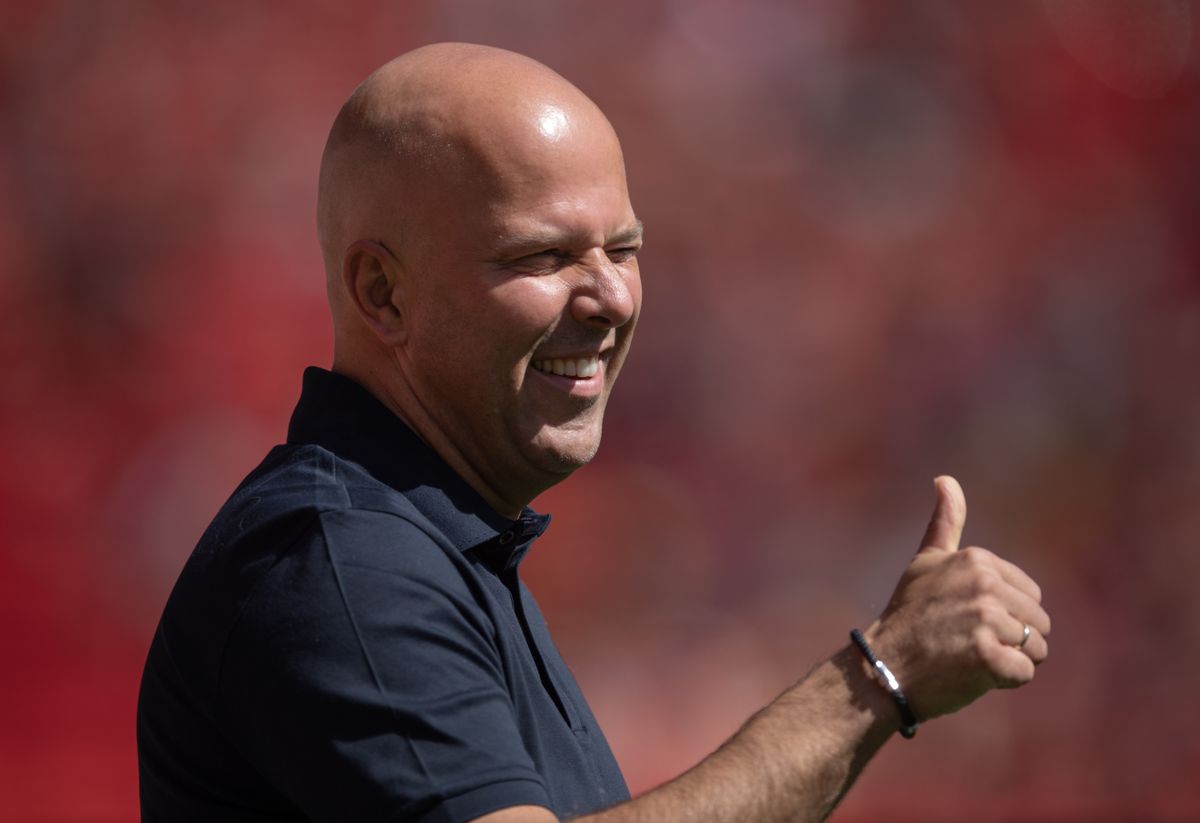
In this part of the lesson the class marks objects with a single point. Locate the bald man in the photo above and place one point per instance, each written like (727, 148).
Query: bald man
(351, 641)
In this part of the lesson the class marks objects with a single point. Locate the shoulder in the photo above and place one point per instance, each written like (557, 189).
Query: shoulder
(307, 513)
(356, 596)
(300, 483)
(300, 493)
(306, 537)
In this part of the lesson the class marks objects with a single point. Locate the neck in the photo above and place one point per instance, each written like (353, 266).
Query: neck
(402, 402)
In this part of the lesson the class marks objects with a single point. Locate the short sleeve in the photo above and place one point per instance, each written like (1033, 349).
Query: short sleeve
(364, 682)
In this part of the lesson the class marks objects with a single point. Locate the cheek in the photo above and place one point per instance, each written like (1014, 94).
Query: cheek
(447, 349)
(479, 337)
(524, 309)
(475, 351)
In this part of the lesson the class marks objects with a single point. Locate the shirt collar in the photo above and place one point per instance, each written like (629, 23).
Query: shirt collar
(341, 416)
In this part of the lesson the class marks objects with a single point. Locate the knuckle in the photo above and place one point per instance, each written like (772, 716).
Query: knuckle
(984, 583)
(989, 613)
(976, 556)
(981, 643)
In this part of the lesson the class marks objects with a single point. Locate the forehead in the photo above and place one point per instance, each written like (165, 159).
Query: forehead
(572, 188)
(547, 146)
(520, 168)
(573, 217)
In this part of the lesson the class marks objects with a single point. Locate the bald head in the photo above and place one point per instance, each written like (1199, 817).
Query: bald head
(440, 124)
(481, 257)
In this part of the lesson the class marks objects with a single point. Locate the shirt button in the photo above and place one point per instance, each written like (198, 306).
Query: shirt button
(506, 538)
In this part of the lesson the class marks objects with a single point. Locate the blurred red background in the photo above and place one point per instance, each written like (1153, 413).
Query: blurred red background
(884, 240)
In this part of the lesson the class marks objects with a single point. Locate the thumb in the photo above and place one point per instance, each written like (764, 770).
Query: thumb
(949, 515)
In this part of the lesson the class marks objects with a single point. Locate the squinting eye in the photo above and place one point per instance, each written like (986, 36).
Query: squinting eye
(550, 259)
(622, 254)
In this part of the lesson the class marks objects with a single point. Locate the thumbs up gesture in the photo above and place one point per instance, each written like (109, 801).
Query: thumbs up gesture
(961, 621)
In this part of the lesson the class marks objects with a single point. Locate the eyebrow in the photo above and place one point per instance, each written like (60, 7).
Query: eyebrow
(631, 234)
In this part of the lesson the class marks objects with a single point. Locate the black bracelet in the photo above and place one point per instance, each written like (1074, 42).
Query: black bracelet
(908, 720)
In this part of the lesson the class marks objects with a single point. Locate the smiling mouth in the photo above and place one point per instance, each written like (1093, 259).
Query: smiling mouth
(580, 368)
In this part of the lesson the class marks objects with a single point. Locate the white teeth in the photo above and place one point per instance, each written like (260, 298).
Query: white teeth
(580, 368)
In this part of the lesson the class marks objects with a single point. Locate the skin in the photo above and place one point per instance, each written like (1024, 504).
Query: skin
(475, 220)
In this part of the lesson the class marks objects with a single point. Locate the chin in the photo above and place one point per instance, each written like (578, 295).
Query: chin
(564, 452)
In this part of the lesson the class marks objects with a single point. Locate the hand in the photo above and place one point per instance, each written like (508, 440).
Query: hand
(954, 625)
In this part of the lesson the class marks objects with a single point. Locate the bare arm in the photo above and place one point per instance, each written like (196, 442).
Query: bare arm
(950, 633)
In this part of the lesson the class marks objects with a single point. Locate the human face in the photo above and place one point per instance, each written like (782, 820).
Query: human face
(523, 310)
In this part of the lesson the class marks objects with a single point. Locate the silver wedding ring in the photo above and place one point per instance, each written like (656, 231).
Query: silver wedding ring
(1024, 635)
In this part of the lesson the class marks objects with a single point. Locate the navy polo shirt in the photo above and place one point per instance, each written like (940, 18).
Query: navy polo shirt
(350, 640)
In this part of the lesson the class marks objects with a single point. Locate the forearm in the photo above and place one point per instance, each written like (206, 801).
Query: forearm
(792, 761)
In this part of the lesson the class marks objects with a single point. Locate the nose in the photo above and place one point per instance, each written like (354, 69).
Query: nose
(606, 295)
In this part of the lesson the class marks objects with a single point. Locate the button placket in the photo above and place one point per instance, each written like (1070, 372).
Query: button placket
(516, 541)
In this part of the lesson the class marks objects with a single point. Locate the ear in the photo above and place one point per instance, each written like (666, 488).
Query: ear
(373, 279)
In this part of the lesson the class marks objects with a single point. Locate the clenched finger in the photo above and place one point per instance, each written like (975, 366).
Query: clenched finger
(1010, 667)
(1021, 606)
(1034, 646)
(1008, 571)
